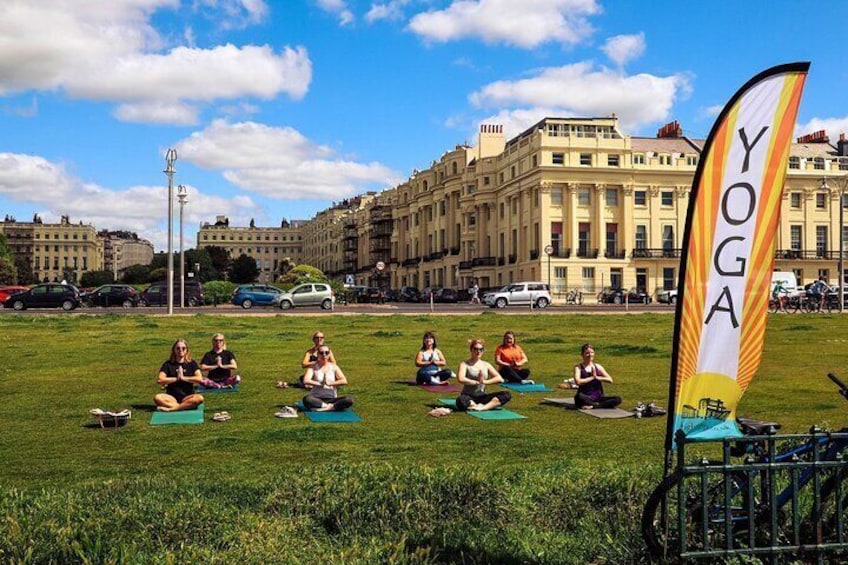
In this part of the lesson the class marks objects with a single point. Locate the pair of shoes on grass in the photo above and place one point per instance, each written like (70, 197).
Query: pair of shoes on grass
(282, 384)
(567, 384)
(221, 416)
(286, 412)
(439, 412)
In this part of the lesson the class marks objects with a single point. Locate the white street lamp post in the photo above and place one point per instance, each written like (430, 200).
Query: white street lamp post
(182, 196)
(841, 183)
(170, 157)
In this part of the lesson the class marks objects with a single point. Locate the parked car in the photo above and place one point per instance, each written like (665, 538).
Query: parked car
(366, 295)
(248, 295)
(520, 294)
(48, 295)
(157, 294)
(618, 295)
(667, 296)
(111, 295)
(409, 294)
(391, 295)
(7, 291)
(307, 294)
(440, 294)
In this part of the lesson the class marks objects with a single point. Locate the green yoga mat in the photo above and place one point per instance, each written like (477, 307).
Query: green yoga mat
(538, 387)
(330, 417)
(496, 414)
(179, 417)
(205, 390)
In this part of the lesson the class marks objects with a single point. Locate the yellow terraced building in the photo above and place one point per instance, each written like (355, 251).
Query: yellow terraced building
(575, 202)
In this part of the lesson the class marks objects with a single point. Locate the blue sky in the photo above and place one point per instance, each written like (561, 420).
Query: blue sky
(278, 108)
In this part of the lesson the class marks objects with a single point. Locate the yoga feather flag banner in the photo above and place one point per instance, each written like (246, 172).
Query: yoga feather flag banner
(728, 254)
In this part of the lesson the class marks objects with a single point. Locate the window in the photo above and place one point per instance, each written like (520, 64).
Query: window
(638, 158)
(502, 210)
(486, 181)
(640, 197)
(667, 198)
(668, 238)
(794, 162)
(843, 163)
(665, 159)
(556, 197)
(613, 160)
(586, 159)
(534, 161)
(668, 278)
(641, 237)
(611, 195)
(692, 160)
(558, 158)
(584, 239)
(612, 239)
(821, 241)
(821, 200)
(795, 237)
(512, 172)
(588, 275)
(795, 200)
(584, 197)
(556, 236)
(559, 272)
(818, 163)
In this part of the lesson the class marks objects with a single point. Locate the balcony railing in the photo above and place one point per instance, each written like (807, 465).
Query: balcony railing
(501, 261)
(454, 250)
(484, 262)
(534, 254)
(409, 262)
(615, 254)
(513, 258)
(465, 265)
(806, 255)
(654, 253)
(588, 253)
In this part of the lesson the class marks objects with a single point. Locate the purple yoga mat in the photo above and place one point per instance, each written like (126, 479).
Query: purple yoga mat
(435, 388)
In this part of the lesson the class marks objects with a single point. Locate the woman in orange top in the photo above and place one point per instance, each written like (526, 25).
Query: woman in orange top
(511, 360)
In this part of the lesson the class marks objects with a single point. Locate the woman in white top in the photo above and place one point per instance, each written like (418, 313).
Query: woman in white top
(431, 363)
(324, 378)
(474, 374)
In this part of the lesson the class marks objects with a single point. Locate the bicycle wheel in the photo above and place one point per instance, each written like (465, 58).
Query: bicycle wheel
(774, 306)
(793, 305)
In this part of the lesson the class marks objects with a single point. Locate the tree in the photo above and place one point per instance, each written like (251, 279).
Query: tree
(8, 272)
(220, 259)
(136, 274)
(25, 274)
(244, 270)
(302, 274)
(194, 257)
(5, 250)
(96, 278)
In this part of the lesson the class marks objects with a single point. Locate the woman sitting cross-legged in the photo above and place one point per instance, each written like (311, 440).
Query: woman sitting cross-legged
(589, 378)
(220, 364)
(474, 374)
(511, 361)
(178, 375)
(324, 378)
(431, 363)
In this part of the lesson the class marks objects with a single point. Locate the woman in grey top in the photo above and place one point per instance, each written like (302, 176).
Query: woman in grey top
(324, 378)
(474, 374)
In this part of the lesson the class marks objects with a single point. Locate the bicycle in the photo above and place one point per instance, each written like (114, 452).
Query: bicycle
(574, 296)
(736, 509)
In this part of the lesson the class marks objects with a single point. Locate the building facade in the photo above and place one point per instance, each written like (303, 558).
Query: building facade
(270, 247)
(55, 252)
(122, 249)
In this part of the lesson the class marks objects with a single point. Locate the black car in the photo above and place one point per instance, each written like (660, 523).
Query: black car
(409, 294)
(48, 295)
(619, 295)
(446, 295)
(157, 294)
(391, 295)
(111, 295)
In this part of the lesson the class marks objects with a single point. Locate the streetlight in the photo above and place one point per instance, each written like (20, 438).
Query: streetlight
(182, 196)
(842, 183)
(170, 157)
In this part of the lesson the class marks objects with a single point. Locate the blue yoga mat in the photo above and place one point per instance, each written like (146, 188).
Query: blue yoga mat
(496, 414)
(330, 417)
(538, 387)
(205, 390)
(178, 417)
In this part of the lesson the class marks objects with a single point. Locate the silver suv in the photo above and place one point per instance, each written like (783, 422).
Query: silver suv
(520, 294)
(307, 294)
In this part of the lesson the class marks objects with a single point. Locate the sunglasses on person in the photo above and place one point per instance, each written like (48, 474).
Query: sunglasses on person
(317, 337)
(478, 348)
(217, 340)
(324, 352)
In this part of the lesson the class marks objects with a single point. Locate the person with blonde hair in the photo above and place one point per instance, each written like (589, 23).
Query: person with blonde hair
(178, 374)
(219, 362)
(474, 374)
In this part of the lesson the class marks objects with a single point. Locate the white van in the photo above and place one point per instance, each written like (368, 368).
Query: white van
(790, 283)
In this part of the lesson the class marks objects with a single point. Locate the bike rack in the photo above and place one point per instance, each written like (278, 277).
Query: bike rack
(769, 495)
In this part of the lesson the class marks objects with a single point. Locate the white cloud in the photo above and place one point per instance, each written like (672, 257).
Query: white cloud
(338, 8)
(526, 24)
(582, 90)
(54, 192)
(158, 113)
(392, 11)
(713, 111)
(104, 50)
(235, 14)
(280, 162)
(833, 127)
(622, 49)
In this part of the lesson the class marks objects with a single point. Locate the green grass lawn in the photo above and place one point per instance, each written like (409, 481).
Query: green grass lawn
(56, 368)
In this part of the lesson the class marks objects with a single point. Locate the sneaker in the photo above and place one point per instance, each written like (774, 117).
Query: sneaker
(286, 412)
(435, 381)
(528, 382)
(238, 379)
(221, 417)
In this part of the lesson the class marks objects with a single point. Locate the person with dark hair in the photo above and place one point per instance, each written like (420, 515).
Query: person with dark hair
(324, 378)
(511, 361)
(178, 375)
(589, 378)
(219, 362)
(474, 374)
(431, 363)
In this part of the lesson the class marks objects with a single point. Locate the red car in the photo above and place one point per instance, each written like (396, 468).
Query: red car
(7, 291)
